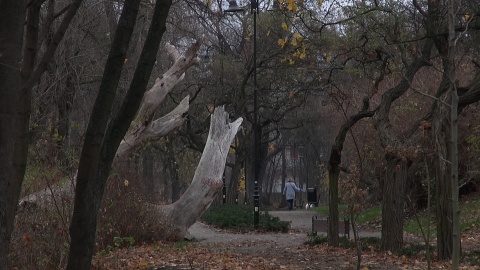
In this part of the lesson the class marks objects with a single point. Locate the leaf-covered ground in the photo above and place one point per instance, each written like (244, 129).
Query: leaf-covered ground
(265, 255)
(223, 250)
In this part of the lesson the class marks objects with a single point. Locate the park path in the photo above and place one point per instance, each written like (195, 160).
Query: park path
(301, 225)
(285, 249)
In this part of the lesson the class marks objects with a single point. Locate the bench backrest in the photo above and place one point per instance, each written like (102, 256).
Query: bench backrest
(321, 225)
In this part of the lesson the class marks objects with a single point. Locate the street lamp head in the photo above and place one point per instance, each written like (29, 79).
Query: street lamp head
(233, 7)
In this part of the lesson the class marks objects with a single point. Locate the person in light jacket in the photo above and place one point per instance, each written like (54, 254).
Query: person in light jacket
(289, 192)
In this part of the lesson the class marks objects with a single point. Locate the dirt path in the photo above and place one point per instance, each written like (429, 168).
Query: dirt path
(286, 249)
(300, 222)
(300, 225)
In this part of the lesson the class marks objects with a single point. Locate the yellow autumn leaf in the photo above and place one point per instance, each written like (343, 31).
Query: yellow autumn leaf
(284, 26)
(291, 62)
(241, 185)
(271, 147)
(281, 42)
(320, 2)
(126, 183)
(297, 36)
(291, 5)
(303, 54)
(294, 42)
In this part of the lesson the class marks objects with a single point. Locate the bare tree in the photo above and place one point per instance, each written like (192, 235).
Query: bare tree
(19, 72)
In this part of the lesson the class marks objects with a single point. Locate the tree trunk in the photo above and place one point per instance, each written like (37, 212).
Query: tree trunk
(443, 207)
(64, 105)
(448, 241)
(207, 181)
(453, 142)
(235, 176)
(151, 184)
(393, 203)
(334, 163)
(333, 174)
(95, 165)
(172, 167)
(11, 34)
(283, 203)
(15, 98)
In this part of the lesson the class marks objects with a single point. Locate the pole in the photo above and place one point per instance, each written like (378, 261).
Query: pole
(256, 195)
(224, 189)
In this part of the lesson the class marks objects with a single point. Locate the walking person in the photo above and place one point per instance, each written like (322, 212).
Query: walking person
(289, 192)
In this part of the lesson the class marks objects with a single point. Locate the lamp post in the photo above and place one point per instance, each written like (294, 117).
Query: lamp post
(233, 7)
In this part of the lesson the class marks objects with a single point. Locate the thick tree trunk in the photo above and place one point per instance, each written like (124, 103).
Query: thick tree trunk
(16, 95)
(11, 34)
(444, 191)
(207, 181)
(393, 203)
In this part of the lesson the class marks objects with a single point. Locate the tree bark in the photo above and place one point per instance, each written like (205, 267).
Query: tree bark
(207, 181)
(393, 202)
(11, 35)
(453, 142)
(154, 130)
(394, 145)
(443, 198)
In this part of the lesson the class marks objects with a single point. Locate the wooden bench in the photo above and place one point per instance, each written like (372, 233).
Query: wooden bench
(321, 225)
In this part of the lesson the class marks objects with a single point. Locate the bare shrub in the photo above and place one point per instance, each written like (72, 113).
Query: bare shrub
(125, 213)
(40, 239)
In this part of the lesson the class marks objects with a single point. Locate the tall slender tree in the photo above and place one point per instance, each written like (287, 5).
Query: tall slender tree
(19, 72)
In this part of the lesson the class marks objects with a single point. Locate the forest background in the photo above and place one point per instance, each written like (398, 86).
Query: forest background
(365, 86)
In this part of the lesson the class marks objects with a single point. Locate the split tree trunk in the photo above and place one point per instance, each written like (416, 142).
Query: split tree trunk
(207, 181)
